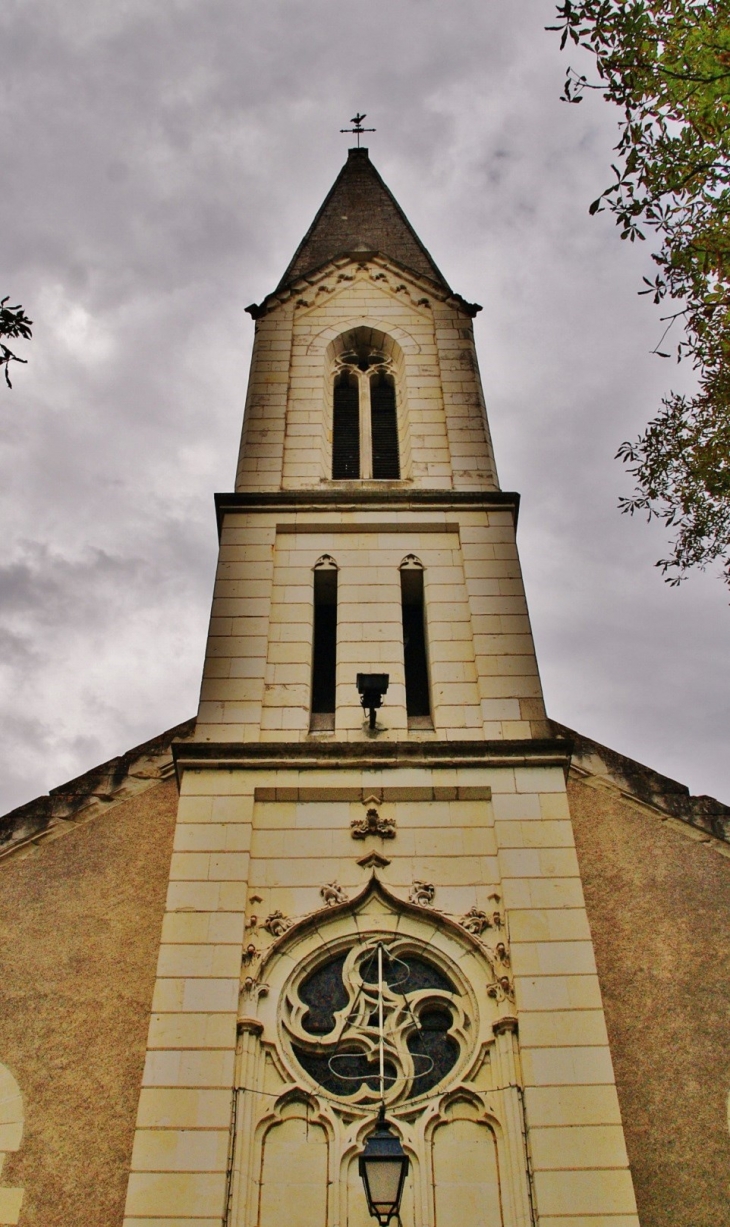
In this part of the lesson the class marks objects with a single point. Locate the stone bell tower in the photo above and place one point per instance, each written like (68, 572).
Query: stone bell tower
(368, 535)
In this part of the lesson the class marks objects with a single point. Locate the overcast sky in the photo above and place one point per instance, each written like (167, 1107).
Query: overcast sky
(160, 163)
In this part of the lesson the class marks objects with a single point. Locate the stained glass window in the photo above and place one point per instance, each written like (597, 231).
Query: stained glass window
(337, 1037)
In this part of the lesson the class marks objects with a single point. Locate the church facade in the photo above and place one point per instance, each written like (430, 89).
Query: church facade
(374, 896)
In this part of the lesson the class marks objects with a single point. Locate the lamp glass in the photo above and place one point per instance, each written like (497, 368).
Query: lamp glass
(383, 1182)
(383, 1167)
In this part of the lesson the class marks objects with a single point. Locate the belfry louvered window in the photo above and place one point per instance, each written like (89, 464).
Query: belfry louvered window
(346, 427)
(386, 464)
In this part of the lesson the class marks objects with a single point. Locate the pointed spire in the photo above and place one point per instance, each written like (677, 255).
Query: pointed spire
(360, 215)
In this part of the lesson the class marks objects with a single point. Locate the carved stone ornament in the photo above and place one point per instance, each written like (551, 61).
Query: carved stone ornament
(502, 989)
(252, 989)
(422, 893)
(506, 1025)
(373, 860)
(497, 918)
(500, 954)
(372, 824)
(332, 893)
(475, 921)
(277, 924)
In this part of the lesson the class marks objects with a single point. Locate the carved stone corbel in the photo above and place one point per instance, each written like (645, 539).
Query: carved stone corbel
(422, 893)
(372, 824)
(475, 921)
(277, 924)
(332, 893)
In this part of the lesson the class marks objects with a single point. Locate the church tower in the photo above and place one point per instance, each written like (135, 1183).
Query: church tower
(373, 850)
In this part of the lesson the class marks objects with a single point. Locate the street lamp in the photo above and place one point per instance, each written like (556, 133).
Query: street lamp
(371, 688)
(383, 1167)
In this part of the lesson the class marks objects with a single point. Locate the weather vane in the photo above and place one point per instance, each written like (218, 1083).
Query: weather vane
(358, 129)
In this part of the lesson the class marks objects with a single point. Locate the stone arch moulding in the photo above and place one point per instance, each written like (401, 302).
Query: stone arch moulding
(463, 1151)
(482, 1078)
(322, 340)
(325, 562)
(12, 1118)
(294, 1139)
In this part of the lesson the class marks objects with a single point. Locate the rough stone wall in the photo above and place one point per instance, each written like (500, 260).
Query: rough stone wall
(80, 918)
(658, 900)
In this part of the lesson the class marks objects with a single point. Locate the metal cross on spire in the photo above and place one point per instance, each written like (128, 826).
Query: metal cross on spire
(358, 129)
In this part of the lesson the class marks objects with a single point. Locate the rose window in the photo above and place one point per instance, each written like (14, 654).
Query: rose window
(338, 1013)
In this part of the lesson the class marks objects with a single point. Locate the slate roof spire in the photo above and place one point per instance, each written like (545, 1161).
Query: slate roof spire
(360, 215)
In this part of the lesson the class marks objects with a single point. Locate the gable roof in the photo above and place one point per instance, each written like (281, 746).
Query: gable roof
(146, 765)
(360, 214)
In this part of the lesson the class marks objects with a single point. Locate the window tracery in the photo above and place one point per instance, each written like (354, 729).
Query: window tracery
(365, 419)
(332, 1025)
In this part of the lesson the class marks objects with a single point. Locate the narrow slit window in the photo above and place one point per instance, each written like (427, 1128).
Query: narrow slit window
(418, 702)
(384, 419)
(324, 655)
(346, 428)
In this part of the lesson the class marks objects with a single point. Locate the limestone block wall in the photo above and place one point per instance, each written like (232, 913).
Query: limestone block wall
(287, 432)
(251, 845)
(483, 671)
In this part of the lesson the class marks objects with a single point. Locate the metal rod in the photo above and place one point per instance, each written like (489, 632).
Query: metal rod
(381, 1040)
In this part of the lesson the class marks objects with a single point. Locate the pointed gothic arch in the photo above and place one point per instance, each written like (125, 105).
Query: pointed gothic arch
(475, 1097)
(365, 370)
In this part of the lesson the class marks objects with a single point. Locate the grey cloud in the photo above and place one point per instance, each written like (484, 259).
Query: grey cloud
(161, 164)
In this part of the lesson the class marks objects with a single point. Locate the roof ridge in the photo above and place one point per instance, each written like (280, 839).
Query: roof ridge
(93, 791)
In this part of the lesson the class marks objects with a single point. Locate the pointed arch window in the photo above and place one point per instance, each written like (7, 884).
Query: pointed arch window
(413, 610)
(365, 414)
(324, 645)
(346, 427)
(384, 427)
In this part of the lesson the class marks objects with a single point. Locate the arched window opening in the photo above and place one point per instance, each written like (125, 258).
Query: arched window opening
(365, 443)
(346, 427)
(324, 650)
(386, 463)
(418, 700)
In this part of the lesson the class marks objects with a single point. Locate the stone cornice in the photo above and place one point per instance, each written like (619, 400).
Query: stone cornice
(369, 755)
(345, 497)
(361, 259)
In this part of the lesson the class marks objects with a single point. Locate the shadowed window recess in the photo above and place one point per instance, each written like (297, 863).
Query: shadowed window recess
(418, 699)
(346, 427)
(365, 444)
(324, 650)
(384, 420)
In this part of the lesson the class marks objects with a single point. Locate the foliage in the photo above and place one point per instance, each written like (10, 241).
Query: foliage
(666, 64)
(14, 323)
